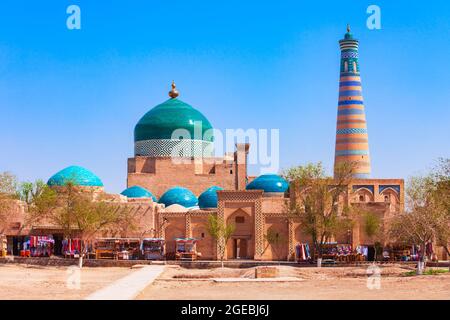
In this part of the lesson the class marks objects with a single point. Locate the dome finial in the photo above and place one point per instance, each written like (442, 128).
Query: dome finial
(174, 92)
(348, 27)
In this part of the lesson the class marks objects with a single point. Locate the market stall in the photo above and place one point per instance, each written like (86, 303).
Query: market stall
(152, 248)
(341, 252)
(71, 248)
(3, 246)
(302, 252)
(186, 249)
(37, 246)
(117, 248)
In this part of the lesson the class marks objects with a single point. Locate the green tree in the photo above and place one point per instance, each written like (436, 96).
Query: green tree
(28, 191)
(315, 201)
(276, 240)
(441, 195)
(221, 232)
(424, 220)
(79, 215)
(8, 193)
(374, 229)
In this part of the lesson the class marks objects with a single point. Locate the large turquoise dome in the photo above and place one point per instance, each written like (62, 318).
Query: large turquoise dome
(162, 120)
(79, 176)
(153, 133)
(137, 192)
(208, 199)
(269, 183)
(179, 195)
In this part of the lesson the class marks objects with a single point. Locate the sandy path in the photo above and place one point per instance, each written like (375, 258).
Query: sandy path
(34, 282)
(327, 283)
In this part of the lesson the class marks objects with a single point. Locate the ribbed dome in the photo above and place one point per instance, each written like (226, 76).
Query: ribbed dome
(208, 199)
(137, 192)
(162, 120)
(179, 195)
(79, 176)
(269, 183)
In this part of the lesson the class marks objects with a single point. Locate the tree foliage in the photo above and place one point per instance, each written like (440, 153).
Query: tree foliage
(8, 193)
(427, 215)
(316, 201)
(221, 232)
(276, 240)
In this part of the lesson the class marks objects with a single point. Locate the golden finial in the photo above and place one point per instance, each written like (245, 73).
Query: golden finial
(174, 92)
(348, 27)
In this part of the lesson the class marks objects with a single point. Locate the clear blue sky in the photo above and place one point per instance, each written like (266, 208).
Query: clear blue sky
(74, 96)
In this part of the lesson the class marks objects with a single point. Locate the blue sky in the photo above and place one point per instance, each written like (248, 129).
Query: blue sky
(73, 96)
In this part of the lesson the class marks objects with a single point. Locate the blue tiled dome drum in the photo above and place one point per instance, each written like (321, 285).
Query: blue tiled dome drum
(79, 176)
(208, 199)
(179, 195)
(269, 183)
(137, 192)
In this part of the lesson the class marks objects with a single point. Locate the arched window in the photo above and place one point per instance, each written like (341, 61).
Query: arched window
(239, 219)
(361, 198)
(345, 66)
(355, 69)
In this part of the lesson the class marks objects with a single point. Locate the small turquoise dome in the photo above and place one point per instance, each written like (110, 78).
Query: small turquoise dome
(269, 183)
(179, 195)
(79, 176)
(208, 199)
(162, 120)
(137, 192)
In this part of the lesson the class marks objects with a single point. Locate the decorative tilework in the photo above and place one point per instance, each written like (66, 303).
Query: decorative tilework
(396, 188)
(165, 148)
(351, 131)
(346, 102)
(350, 111)
(349, 54)
(351, 152)
(369, 187)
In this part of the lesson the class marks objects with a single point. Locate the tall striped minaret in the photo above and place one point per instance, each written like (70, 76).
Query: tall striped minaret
(352, 144)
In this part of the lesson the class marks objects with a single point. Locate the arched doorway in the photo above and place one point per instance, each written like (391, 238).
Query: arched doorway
(241, 244)
(173, 231)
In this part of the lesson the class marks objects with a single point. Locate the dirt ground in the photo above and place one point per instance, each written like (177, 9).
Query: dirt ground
(324, 283)
(36, 283)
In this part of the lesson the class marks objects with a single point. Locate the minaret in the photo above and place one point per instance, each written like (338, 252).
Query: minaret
(352, 144)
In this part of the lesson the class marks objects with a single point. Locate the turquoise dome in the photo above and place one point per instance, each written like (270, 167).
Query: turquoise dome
(162, 120)
(137, 192)
(269, 183)
(79, 176)
(208, 199)
(179, 195)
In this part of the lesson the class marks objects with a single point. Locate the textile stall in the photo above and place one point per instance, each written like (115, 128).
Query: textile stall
(339, 252)
(406, 252)
(152, 248)
(71, 248)
(117, 248)
(186, 249)
(363, 252)
(38, 246)
(302, 252)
